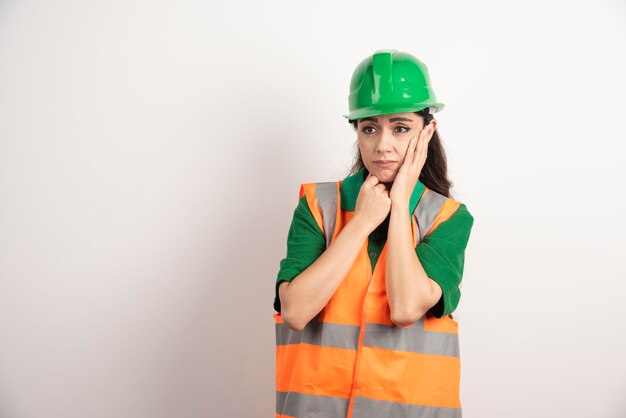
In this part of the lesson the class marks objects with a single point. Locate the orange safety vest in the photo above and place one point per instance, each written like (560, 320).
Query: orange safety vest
(351, 360)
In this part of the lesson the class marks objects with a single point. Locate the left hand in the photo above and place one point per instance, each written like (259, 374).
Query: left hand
(409, 172)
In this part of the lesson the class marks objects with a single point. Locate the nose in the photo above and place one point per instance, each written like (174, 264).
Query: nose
(385, 142)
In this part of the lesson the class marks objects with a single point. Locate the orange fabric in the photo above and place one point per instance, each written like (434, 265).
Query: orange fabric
(334, 380)
(419, 379)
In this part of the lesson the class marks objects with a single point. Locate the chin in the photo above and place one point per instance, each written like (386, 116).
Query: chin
(384, 176)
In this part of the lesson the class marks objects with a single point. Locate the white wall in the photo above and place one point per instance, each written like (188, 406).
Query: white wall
(150, 160)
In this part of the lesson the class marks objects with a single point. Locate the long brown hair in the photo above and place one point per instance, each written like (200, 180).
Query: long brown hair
(435, 171)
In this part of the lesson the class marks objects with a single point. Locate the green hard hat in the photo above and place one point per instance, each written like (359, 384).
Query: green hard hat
(390, 81)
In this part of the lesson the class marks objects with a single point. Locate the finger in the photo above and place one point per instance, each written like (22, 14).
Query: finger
(424, 147)
(410, 152)
(418, 146)
(371, 180)
(423, 141)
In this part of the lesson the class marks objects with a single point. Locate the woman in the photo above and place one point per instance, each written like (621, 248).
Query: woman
(374, 265)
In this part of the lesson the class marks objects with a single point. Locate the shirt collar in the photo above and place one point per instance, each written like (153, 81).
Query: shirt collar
(351, 186)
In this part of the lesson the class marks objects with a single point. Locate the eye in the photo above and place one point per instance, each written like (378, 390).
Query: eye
(403, 127)
(364, 130)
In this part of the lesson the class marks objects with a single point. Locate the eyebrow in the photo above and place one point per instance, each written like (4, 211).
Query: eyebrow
(403, 119)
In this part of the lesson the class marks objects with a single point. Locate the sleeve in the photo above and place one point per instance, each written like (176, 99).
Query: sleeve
(442, 254)
(305, 243)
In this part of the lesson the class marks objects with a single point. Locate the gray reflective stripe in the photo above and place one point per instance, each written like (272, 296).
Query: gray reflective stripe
(326, 334)
(412, 338)
(301, 405)
(427, 210)
(327, 195)
(374, 408)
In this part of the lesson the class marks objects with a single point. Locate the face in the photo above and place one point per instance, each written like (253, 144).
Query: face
(386, 138)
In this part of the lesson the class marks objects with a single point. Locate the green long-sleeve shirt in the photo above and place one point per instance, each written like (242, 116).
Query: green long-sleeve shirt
(441, 253)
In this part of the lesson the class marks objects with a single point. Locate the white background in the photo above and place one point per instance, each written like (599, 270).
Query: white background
(151, 154)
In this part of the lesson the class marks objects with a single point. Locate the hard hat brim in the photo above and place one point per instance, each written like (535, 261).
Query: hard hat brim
(374, 111)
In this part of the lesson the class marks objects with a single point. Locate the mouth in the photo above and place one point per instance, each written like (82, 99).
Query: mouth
(385, 163)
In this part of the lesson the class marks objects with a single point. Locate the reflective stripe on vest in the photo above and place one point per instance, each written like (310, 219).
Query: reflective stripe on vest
(351, 360)
(327, 199)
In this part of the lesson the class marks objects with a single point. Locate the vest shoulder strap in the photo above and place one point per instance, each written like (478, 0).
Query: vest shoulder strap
(433, 209)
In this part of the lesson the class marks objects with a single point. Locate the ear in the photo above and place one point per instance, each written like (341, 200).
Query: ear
(433, 122)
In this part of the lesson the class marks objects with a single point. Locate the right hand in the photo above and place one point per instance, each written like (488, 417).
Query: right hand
(373, 202)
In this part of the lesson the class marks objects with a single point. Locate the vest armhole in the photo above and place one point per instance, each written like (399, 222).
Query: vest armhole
(308, 190)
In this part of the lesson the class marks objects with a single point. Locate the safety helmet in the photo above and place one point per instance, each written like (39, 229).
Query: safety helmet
(390, 81)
